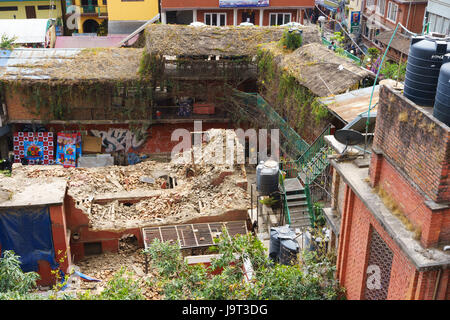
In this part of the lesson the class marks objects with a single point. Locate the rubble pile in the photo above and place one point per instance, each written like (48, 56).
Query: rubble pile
(104, 266)
(162, 193)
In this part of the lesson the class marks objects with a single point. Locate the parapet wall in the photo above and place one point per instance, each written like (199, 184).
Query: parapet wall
(415, 142)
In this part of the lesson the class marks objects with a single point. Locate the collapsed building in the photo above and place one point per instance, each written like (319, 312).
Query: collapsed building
(121, 106)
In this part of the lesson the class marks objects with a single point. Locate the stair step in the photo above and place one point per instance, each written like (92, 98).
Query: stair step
(295, 196)
(297, 204)
(299, 210)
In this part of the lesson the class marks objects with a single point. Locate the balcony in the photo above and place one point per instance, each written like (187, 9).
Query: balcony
(93, 10)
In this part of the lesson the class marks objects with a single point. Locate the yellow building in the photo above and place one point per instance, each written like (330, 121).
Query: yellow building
(39, 9)
(123, 17)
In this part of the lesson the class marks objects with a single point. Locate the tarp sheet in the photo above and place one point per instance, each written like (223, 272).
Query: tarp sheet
(27, 231)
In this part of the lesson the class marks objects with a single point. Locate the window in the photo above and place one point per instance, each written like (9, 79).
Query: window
(392, 12)
(439, 24)
(8, 8)
(277, 19)
(216, 19)
(370, 4)
(52, 7)
(381, 7)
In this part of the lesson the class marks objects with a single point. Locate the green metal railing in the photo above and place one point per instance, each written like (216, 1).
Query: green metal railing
(100, 10)
(287, 215)
(346, 53)
(313, 159)
(314, 148)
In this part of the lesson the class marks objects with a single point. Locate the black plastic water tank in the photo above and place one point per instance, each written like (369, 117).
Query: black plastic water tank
(422, 70)
(442, 103)
(288, 251)
(274, 245)
(268, 178)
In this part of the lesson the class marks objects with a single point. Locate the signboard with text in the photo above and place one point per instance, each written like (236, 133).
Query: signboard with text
(356, 16)
(243, 3)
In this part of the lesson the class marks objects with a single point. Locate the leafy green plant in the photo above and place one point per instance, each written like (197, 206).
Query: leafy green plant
(340, 39)
(269, 201)
(6, 42)
(311, 278)
(291, 39)
(318, 213)
(395, 71)
(13, 281)
(121, 287)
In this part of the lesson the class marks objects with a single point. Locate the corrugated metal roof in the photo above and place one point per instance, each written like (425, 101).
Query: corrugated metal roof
(27, 62)
(25, 30)
(348, 106)
(92, 41)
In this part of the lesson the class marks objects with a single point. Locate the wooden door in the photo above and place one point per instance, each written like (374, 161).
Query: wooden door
(30, 12)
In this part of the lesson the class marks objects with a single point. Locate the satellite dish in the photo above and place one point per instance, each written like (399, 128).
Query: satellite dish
(348, 137)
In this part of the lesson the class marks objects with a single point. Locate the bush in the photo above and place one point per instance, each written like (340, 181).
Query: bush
(291, 39)
(7, 43)
(13, 281)
(394, 71)
(121, 287)
(311, 278)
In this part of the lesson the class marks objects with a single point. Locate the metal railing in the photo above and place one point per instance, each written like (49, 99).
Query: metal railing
(314, 148)
(99, 10)
(345, 53)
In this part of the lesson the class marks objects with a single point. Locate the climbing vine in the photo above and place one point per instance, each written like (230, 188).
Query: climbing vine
(296, 103)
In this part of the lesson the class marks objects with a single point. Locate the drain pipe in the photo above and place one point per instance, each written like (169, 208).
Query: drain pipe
(373, 88)
(438, 280)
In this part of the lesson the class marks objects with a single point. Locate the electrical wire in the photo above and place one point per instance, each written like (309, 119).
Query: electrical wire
(342, 28)
(374, 84)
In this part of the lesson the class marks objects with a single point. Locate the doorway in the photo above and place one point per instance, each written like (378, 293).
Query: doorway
(248, 17)
(90, 26)
(30, 11)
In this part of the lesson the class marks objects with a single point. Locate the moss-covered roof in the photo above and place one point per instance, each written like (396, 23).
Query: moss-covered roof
(318, 68)
(208, 40)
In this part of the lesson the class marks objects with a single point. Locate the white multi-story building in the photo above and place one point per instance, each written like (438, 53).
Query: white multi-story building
(438, 16)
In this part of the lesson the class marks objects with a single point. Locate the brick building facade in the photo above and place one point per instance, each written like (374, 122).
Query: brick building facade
(392, 220)
(215, 12)
(380, 17)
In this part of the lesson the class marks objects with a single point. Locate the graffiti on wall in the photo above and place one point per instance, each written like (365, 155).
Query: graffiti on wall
(119, 139)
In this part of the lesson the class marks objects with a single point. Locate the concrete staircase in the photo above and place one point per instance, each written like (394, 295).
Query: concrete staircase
(297, 203)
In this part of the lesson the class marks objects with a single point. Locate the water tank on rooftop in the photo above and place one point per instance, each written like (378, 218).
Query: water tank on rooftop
(442, 103)
(422, 70)
(259, 167)
(267, 182)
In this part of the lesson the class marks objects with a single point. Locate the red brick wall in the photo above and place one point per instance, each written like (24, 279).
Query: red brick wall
(159, 135)
(405, 281)
(167, 4)
(415, 20)
(417, 144)
(435, 225)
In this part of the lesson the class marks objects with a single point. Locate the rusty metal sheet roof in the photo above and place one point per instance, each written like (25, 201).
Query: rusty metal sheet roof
(348, 106)
(192, 235)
